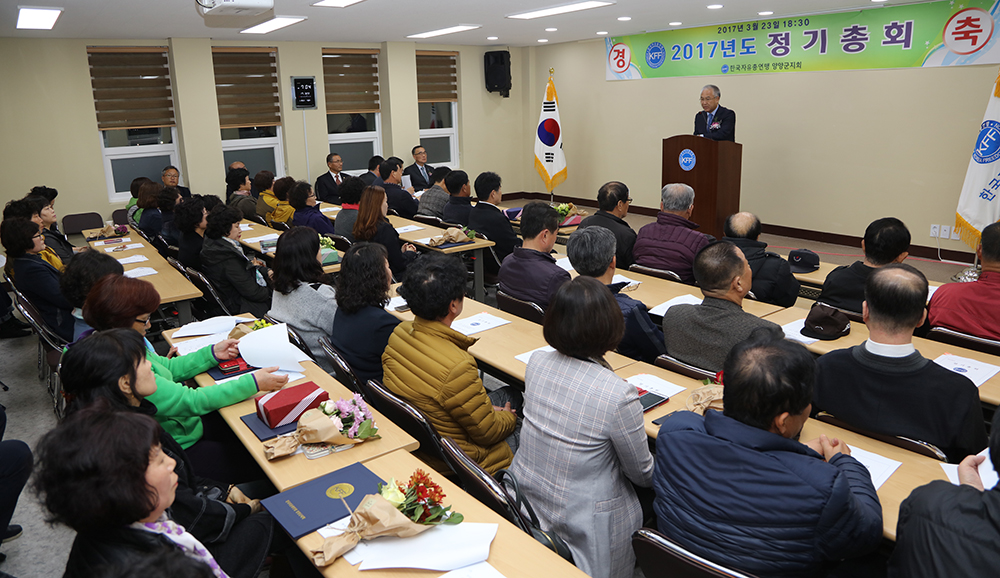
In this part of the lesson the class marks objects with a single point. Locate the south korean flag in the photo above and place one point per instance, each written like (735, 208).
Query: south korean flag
(550, 161)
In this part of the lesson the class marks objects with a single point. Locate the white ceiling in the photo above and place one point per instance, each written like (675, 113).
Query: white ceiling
(393, 20)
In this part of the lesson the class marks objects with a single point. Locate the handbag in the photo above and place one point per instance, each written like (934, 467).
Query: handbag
(549, 538)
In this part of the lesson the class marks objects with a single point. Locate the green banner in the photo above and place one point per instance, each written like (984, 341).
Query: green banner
(918, 35)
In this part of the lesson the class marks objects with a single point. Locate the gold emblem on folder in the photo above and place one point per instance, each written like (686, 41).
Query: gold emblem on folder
(338, 491)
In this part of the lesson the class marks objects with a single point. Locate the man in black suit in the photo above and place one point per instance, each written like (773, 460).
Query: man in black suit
(419, 172)
(328, 183)
(459, 205)
(372, 174)
(487, 218)
(400, 199)
(714, 121)
(170, 177)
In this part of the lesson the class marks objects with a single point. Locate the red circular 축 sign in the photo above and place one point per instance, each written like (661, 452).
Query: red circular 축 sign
(968, 31)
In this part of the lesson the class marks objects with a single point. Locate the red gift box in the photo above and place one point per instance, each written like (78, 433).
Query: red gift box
(285, 406)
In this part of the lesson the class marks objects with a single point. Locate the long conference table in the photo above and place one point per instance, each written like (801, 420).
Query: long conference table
(252, 231)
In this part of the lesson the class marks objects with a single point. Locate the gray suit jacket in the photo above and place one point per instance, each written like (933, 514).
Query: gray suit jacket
(702, 335)
(582, 442)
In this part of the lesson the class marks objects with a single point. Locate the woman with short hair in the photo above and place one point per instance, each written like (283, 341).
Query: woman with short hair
(34, 277)
(80, 276)
(372, 225)
(283, 211)
(167, 202)
(307, 214)
(150, 220)
(191, 220)
(240, 280)
(238, 187)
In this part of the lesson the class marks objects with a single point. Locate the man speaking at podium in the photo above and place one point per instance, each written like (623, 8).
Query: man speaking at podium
(714, 122)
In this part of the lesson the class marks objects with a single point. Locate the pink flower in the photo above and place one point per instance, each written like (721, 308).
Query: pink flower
(353, 432)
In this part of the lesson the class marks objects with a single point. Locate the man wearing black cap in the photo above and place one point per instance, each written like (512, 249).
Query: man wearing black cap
(773, 281)
(885, 386)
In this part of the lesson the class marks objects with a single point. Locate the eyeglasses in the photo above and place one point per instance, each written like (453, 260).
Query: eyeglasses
(169, 176)
(143, 321)
(40, 235)
(704, 99)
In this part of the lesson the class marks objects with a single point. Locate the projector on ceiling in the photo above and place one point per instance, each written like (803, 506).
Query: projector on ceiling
(234, 7)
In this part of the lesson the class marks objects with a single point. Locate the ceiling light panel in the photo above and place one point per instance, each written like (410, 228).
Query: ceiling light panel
(443, 31)
(560, 9)
(273, 24)
(37, 18)
(336, 3)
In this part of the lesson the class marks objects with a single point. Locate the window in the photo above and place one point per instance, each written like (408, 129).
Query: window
(246, 86)
(437, 98)
(350, 80)
(135, 115)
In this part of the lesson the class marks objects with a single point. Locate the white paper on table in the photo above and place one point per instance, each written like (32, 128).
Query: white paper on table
(329, 209)
(524, 357)
(268, 237)
(681, 300)
(977, 371)
(407, 182)
(632, 283)
(478, 322)
(653, 384)
(132, 259)
(245, 227)
(292, 376)
(930, 291)
(440, 548)
(118, 248)
(192, 345)
(480, 570)
(407, 229)
(793, 331)
(220, 324)
(879, 467)
(564, 263)
(117, 241)
(426, 241)
(395, 302)
(269, 347)
(419, 194)
(140, 272)
(986, 471)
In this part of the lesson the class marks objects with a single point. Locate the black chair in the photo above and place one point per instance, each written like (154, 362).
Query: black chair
(523, 309)
(293, 336)
(255, 218)
(951, 337)
(480, 484)
(50, 349)
(412, 420)
(177, 265)
(916, 446)
(659, 556)
(279, 226)
(340, 242)
(165, 248)
(430, 220)
(654, 272)
(208, 292)
(119, 217)
(677, 366)
(341, 369)
(491, 264)
(76, 223)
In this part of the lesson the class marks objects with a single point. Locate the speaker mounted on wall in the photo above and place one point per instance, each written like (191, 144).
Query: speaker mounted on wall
(497, 66)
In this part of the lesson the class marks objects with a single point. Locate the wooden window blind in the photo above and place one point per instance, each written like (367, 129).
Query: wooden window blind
(350, 80)
(246, 85)
(437, 76)
(131, 87)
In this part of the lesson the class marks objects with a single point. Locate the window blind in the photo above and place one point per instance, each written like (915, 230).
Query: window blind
(246, 86)
(131, 87)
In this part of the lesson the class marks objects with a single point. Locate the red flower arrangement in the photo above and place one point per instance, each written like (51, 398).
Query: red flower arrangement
(420, 500)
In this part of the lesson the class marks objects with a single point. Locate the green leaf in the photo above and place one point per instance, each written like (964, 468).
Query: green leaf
(417, 512)
(454, 518)
(367, 429)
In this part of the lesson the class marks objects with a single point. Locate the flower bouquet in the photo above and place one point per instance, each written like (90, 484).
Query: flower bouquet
(341, 422)
(401, 511)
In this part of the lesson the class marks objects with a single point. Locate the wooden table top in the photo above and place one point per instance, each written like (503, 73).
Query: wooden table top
(817, 277)
(430, 231)
(169, 283)
(293, 470)
(513, 552)
(258, 230)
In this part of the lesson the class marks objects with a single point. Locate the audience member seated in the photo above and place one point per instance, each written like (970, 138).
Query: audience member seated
(583, 448)
(362, 326)
(487, 218)
(886, 241)
(167, 203)
(972, 307)
(427, 363)
(456, 210)
(400, 200)
(740, 477)
(35, 278)
(110, 367)
(241, 281)
(191, 220)
(300, 298)
(43, 197)
(672, 241)
(702, 335)
(104, 474)
(171, 178)
(434, 199)
(307, 213)
(211, 201)
(15, 469)
(263, 182)
(530, 273)
(371, 225)
(150, 221)
(372, 174)
(592, 253)
(350, 197)
(419, 172)
(119, 302)
(283, 211)
(132, 209)
(30, 209)
(945, 529)
(78, 278)
(613, 201)
(773, 281)
(884, 385)
(328, 184)
(238, 187)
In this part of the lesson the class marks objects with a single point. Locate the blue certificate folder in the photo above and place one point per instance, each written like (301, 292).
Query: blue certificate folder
(306, 508)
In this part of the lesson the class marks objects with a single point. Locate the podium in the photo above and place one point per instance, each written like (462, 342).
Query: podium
(712, 169)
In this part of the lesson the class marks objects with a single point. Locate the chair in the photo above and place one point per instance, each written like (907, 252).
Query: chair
(412, 420)
(659, 556)
(280, 226)
(208, 291)
(165, 248)
(916, 446)
(393, 212)
(480, 484)
(523, 309)
(76, 223)
(293, 336)
(119, 217)
(430, 220)
(654, 272)
(951, 337)
(341, 369)
(177, 265)
(677, 366)
(50, 349)
(255, 218)
(491, 264)
(340, 242)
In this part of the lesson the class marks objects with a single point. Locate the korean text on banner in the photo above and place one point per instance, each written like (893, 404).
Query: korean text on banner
(550, 161)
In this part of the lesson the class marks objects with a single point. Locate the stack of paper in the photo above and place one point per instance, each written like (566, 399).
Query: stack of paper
(192, 345)
(140, 272)
(879, 467)
(793, 331)
(682, 300)
(220, 324)
(118, 248)
(977, 371)
(395, 303)
(132, 259)
(268, 237)
(477, 323)
(632, 284)
(524, 357)
(245, 227)
(269, 347)
(986, 471)
(408, 229)
(564, 263)
(329, 209)
(653, 384)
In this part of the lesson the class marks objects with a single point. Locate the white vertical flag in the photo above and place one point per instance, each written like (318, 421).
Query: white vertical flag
(550, 161)
(979, 205)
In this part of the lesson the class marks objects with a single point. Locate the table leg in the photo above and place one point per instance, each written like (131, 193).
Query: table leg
(478, 281)
(184, 311)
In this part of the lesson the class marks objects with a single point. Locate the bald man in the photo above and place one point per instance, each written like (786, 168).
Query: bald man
(773, 281)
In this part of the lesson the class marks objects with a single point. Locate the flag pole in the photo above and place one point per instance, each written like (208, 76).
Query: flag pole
(552, 194)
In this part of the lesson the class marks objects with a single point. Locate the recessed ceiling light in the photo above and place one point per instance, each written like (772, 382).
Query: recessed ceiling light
(765, 13)
(676, 23)
(624, 18)
(443, 31)
(878, 0)
(273, 24)
(560, 9)
(543, 39)
(336, 3)
(37, 18)
(492, 38)
(551, 29)
(714, 6)
(602, 33)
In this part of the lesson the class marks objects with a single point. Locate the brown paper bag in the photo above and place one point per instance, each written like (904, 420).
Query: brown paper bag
(314, 427)
(374, 517)
(240, 331)
(451, 235)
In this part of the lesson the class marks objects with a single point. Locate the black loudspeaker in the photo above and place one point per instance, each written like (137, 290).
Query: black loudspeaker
(497, 66)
